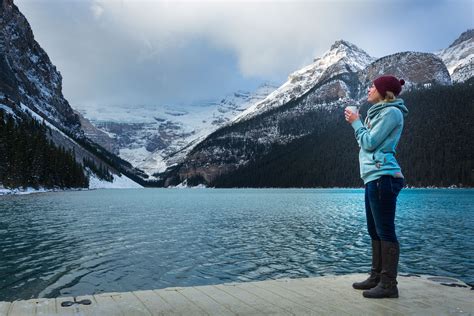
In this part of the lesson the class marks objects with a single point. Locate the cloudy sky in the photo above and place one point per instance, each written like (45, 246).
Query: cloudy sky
(126, 52)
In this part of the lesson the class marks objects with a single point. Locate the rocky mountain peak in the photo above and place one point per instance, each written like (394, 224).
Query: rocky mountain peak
(459, 57)
(469, 34)
(343, 45)
(416, 68)
(345, 54)
(27, 74)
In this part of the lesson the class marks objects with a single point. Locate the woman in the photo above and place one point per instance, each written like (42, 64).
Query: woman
(378, 137)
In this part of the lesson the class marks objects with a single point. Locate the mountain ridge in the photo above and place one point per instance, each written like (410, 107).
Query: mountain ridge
(333, 72)
(157, 137)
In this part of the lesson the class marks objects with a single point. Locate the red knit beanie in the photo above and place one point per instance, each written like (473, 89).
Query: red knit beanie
(388, 83)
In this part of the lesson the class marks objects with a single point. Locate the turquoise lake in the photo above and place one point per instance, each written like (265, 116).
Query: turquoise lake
(88, 242)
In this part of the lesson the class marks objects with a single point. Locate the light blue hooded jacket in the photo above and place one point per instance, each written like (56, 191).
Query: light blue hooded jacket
(378, 138)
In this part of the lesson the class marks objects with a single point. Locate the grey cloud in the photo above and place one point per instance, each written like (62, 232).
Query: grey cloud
(150, 52)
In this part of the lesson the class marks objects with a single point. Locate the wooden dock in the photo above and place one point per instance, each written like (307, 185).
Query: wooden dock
(328, 295)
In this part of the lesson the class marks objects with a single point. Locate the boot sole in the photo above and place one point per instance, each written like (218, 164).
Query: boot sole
(390, 296)
(363, 288)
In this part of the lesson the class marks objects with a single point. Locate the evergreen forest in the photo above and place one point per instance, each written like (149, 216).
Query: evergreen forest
(436, 147)
(29, 159)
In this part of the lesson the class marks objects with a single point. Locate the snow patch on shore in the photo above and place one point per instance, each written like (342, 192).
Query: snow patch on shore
(119, 182)
(31, 190)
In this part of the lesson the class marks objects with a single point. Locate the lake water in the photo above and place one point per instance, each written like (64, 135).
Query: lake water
(88, 242)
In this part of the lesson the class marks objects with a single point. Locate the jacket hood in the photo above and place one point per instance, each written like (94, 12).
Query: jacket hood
(376, 108)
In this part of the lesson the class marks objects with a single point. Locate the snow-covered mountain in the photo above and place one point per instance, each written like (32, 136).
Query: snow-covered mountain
(154, 138)
(157, 138)
(342, 57)
(459, 57)
(291, 112)
(347, 59)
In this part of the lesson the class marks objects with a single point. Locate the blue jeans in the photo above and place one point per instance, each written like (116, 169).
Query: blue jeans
(380, 205)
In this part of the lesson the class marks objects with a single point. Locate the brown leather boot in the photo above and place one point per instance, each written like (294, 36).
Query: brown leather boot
(374, 277)
(387, 287)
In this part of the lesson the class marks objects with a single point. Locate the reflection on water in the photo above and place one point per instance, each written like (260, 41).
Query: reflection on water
(86, 242)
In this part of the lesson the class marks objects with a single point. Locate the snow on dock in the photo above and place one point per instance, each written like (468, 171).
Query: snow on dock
(328, 295)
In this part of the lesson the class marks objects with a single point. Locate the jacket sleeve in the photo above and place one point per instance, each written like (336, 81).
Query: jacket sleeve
(371, 139)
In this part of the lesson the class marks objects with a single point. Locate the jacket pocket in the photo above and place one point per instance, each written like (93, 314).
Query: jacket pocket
(379, 159)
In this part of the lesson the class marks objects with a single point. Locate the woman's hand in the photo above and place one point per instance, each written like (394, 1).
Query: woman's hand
(350, 115)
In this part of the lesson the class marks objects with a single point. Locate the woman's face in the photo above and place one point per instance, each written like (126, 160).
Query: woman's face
(374, 96)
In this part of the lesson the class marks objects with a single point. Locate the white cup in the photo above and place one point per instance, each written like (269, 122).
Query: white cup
(353, 108)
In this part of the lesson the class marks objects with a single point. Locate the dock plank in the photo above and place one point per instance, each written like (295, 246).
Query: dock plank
(229, 301)
(130, 304)
(26, 308)
(155, 304)
(45, 307)
(106, 306)
(4, 307)
(300, 295)
(206, 303)
(181, 305)
(264, 306)
(285, 303)
(319, 297)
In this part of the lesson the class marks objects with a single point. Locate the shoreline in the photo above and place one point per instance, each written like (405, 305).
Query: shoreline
(30, 190)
